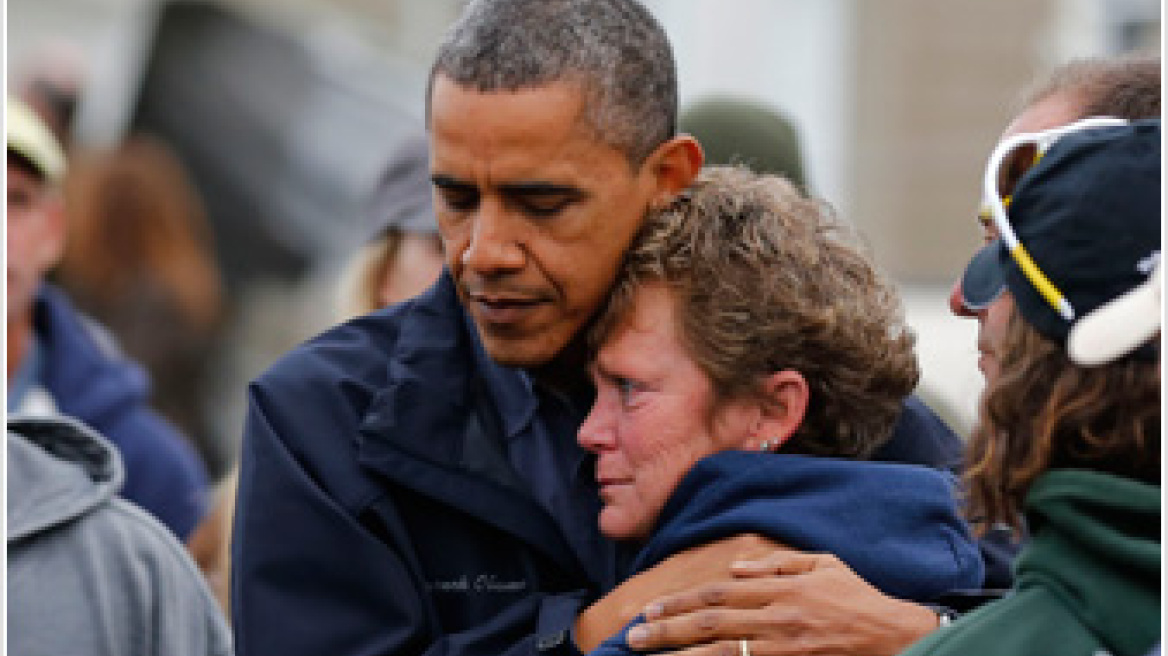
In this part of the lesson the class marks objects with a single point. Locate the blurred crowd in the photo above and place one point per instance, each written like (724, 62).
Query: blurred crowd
(430, 434)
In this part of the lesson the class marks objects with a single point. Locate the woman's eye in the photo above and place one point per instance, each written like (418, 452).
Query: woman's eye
(627, 390)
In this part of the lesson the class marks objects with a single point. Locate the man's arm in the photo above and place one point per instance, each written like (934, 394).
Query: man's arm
(785, 603)
(705, 564)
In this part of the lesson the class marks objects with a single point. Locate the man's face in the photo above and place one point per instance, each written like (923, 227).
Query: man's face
(654, 417)
(535, 213)
(36, 236)
(1050, 112)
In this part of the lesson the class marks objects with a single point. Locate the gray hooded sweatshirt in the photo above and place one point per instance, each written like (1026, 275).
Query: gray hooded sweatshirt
(89, 573)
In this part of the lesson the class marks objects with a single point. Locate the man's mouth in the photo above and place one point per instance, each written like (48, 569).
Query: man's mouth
(503, 309)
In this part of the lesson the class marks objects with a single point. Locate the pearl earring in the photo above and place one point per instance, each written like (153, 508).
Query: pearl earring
(768, 445)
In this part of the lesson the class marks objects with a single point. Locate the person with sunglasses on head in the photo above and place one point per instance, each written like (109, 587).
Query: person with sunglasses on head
(1126, 87)
(1072, 447)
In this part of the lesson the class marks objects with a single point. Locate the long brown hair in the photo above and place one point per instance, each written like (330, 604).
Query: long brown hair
(1045, 412)
(133, 216)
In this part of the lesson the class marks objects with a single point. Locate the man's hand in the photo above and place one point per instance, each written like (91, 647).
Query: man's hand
(683, 571)
(784, 603)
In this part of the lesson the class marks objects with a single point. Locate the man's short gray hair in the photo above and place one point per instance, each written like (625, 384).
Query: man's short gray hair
(614, 49)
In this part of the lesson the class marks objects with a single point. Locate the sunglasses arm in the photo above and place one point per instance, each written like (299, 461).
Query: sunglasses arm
(993, 200)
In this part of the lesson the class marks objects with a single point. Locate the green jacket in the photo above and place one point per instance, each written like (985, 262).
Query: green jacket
(1088, 584)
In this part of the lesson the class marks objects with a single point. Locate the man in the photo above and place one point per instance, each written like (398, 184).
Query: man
(409, 481)
(60, 362)
(88, 572)
(834, 609)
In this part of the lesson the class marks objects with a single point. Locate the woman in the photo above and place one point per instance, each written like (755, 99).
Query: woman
(1068, 440)
(404, 254)
(748, 361)
(140, 259)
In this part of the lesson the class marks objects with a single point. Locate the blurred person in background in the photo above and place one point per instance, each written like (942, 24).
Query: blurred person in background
(1070, 441)
(403, 255)
(736, 131)
(87, 572)
(139, 259)
(62, 362)
(1127, 87)
(50, 82)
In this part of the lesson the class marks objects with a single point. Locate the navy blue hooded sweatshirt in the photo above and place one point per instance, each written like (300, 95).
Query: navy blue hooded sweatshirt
(93, 383)
(378, 511)
(895, 525)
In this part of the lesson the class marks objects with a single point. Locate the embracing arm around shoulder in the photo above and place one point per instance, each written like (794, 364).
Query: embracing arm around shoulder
(784, 603)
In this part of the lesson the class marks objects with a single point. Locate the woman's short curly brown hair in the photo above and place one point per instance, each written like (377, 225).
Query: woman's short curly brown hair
(1044, 412)
(767, 279)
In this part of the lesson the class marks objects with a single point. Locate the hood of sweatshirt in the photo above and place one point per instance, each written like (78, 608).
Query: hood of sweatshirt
(1096, 544)
(58, 470)
(898, 526)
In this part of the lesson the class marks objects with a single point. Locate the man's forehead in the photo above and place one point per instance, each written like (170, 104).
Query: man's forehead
(1052, 111)
(528, 136)
(558, 101)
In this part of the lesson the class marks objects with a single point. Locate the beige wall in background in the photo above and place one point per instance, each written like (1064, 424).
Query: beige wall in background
(935, 84)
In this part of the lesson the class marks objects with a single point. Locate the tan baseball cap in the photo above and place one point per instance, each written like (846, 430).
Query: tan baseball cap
(30, 138)
(1119, 326)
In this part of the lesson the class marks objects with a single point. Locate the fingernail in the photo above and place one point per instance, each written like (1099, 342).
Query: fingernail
(654, 610)
(744, 564)
(638, 634)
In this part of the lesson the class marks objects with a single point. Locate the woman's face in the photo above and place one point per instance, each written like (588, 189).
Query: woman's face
(655, 416)
(417, 264)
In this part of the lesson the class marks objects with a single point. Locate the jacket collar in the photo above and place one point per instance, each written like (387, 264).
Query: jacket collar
(512, 390)
(439, 425)
(83, 369)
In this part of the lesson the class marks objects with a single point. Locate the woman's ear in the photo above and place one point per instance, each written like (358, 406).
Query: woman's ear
(785, 397)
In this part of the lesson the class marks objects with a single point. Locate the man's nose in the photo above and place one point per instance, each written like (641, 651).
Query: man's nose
(495, 241)
(957, 302)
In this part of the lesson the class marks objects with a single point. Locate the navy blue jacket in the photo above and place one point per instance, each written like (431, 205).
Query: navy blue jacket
(94, 383)
(897, 526)
(378, 512)
(920, 437)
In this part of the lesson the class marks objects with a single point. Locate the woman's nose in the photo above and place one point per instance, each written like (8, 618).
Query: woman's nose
(595, 433)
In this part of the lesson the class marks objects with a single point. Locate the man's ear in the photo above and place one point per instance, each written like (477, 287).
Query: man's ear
(674, 165)
(785, 398)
